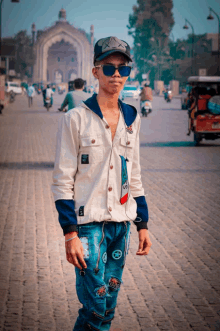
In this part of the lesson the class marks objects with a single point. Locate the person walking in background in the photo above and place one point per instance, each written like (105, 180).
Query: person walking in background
(43, 88)
(30, 94)
(97, 187)
(74, 98)
(48, 95)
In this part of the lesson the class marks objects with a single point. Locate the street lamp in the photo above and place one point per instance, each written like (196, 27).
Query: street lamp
(192, 52)
(210, 17)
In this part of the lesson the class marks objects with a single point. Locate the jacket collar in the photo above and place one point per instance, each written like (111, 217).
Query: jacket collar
(129, 112)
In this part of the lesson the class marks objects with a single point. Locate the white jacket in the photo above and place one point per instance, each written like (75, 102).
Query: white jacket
(88, 164)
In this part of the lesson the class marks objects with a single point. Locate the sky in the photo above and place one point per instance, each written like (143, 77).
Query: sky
(109, 19)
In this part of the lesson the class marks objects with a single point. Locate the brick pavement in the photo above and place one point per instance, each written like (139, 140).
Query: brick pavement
(176, 287)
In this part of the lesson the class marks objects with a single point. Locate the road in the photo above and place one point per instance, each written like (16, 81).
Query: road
(176, 287)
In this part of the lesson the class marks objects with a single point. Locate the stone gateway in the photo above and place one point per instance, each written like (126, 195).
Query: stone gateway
(63, 53)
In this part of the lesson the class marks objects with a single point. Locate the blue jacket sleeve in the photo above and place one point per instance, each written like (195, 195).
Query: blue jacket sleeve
(142, 213)
(67, 215)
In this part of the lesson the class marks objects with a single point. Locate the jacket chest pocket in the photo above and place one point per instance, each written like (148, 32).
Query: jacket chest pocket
(126, 147)
(91, 150)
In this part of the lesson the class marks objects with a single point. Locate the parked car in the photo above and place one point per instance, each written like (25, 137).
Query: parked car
(130, 91)
(13, 87)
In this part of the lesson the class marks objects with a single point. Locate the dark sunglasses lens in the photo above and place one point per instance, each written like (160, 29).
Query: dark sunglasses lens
(124, 71)
(108, 70)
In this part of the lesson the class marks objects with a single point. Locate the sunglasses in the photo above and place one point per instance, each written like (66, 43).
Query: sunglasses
(109, 70)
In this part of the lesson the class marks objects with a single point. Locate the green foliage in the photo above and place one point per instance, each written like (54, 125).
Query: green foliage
(150, 25)
(24, 53)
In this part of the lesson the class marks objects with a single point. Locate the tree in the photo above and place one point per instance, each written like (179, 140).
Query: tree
(24, 54)
(150, 25)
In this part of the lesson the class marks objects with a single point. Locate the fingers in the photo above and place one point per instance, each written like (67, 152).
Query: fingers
(82, 261)
(74, 254)
(77, 260)
(144, 247)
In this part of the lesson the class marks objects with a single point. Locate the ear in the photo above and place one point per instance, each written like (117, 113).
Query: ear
(94, 72)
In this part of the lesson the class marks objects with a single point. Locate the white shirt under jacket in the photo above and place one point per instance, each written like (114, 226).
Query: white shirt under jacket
(96, 185)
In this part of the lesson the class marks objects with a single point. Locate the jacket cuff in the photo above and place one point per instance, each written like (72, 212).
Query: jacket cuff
(141, 225)
(70, 228)
(67, 215)
(142, 213)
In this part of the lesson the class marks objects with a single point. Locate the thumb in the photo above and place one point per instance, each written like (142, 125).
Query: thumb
(140, 248)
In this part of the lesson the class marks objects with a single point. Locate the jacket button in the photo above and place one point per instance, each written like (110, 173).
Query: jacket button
(110, 188)
(107, 126)
(111, 166)
(93, 141)
(110, 209)
(128, 143)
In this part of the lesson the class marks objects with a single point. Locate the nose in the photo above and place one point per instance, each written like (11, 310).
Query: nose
(116, 74)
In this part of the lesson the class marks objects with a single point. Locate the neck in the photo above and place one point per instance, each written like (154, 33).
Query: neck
(79, 89)
(107, 101)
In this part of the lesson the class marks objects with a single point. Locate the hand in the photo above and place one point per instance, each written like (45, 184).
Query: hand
(74, 251)
(144, 242)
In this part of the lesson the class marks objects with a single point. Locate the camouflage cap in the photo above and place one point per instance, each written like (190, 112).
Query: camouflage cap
(107, 46)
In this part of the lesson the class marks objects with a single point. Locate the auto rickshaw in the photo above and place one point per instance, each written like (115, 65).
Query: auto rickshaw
(204, 122)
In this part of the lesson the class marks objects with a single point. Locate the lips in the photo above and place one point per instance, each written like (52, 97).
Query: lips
(115, 82)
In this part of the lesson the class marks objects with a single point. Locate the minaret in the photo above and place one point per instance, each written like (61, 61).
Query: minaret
(62, 15)
(33, 33)
(92, 34)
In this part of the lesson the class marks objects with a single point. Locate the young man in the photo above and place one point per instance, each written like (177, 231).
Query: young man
(30, 94)
(74, 98)
(97, 187)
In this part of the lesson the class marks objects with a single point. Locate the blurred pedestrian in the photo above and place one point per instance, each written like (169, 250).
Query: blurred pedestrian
(43, 88)
(49, 93)
(30, 94)
(74, 98)
(97, 164)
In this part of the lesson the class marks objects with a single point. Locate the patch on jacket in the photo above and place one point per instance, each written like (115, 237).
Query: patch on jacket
(85, 159)
(129, 129)
(81, 211)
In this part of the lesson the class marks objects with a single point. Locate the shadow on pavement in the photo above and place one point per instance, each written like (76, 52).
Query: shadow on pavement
(32, 112)
(179, 170)
(176, 144)
(26, 165)
(176, 109)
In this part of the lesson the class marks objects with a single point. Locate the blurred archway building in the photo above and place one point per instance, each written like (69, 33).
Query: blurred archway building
(62, 52)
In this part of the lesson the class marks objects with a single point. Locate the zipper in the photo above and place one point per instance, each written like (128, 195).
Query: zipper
(97, 263)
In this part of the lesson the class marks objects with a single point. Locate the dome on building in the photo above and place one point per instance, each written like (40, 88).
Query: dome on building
(62, 15)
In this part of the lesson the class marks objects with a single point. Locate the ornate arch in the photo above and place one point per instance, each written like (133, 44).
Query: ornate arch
(68, 34)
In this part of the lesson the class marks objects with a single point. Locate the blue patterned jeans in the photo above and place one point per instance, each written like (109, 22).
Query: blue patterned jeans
(105, 247)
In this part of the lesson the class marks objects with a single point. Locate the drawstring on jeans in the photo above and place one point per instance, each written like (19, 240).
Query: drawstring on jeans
(125, 245)
(97, 263)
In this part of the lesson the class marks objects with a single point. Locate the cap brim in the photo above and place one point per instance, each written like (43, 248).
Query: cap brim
(104, 55)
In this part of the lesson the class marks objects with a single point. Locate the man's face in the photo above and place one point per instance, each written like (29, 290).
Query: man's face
(115, 83)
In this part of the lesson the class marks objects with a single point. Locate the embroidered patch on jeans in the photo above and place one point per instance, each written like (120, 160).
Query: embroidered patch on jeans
(85, 244)
(85, 159)
(117, 254)
(114, 283)
(104, 257)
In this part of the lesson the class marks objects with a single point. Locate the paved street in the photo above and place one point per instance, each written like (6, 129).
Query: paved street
(175, 288)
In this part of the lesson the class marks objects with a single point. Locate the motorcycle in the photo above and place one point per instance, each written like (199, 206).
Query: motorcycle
(48, 103)
(146, 108)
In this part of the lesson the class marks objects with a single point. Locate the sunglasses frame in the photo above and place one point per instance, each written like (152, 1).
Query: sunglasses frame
(111, 65)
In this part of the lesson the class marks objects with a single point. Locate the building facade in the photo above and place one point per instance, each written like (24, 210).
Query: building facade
(62, 53)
